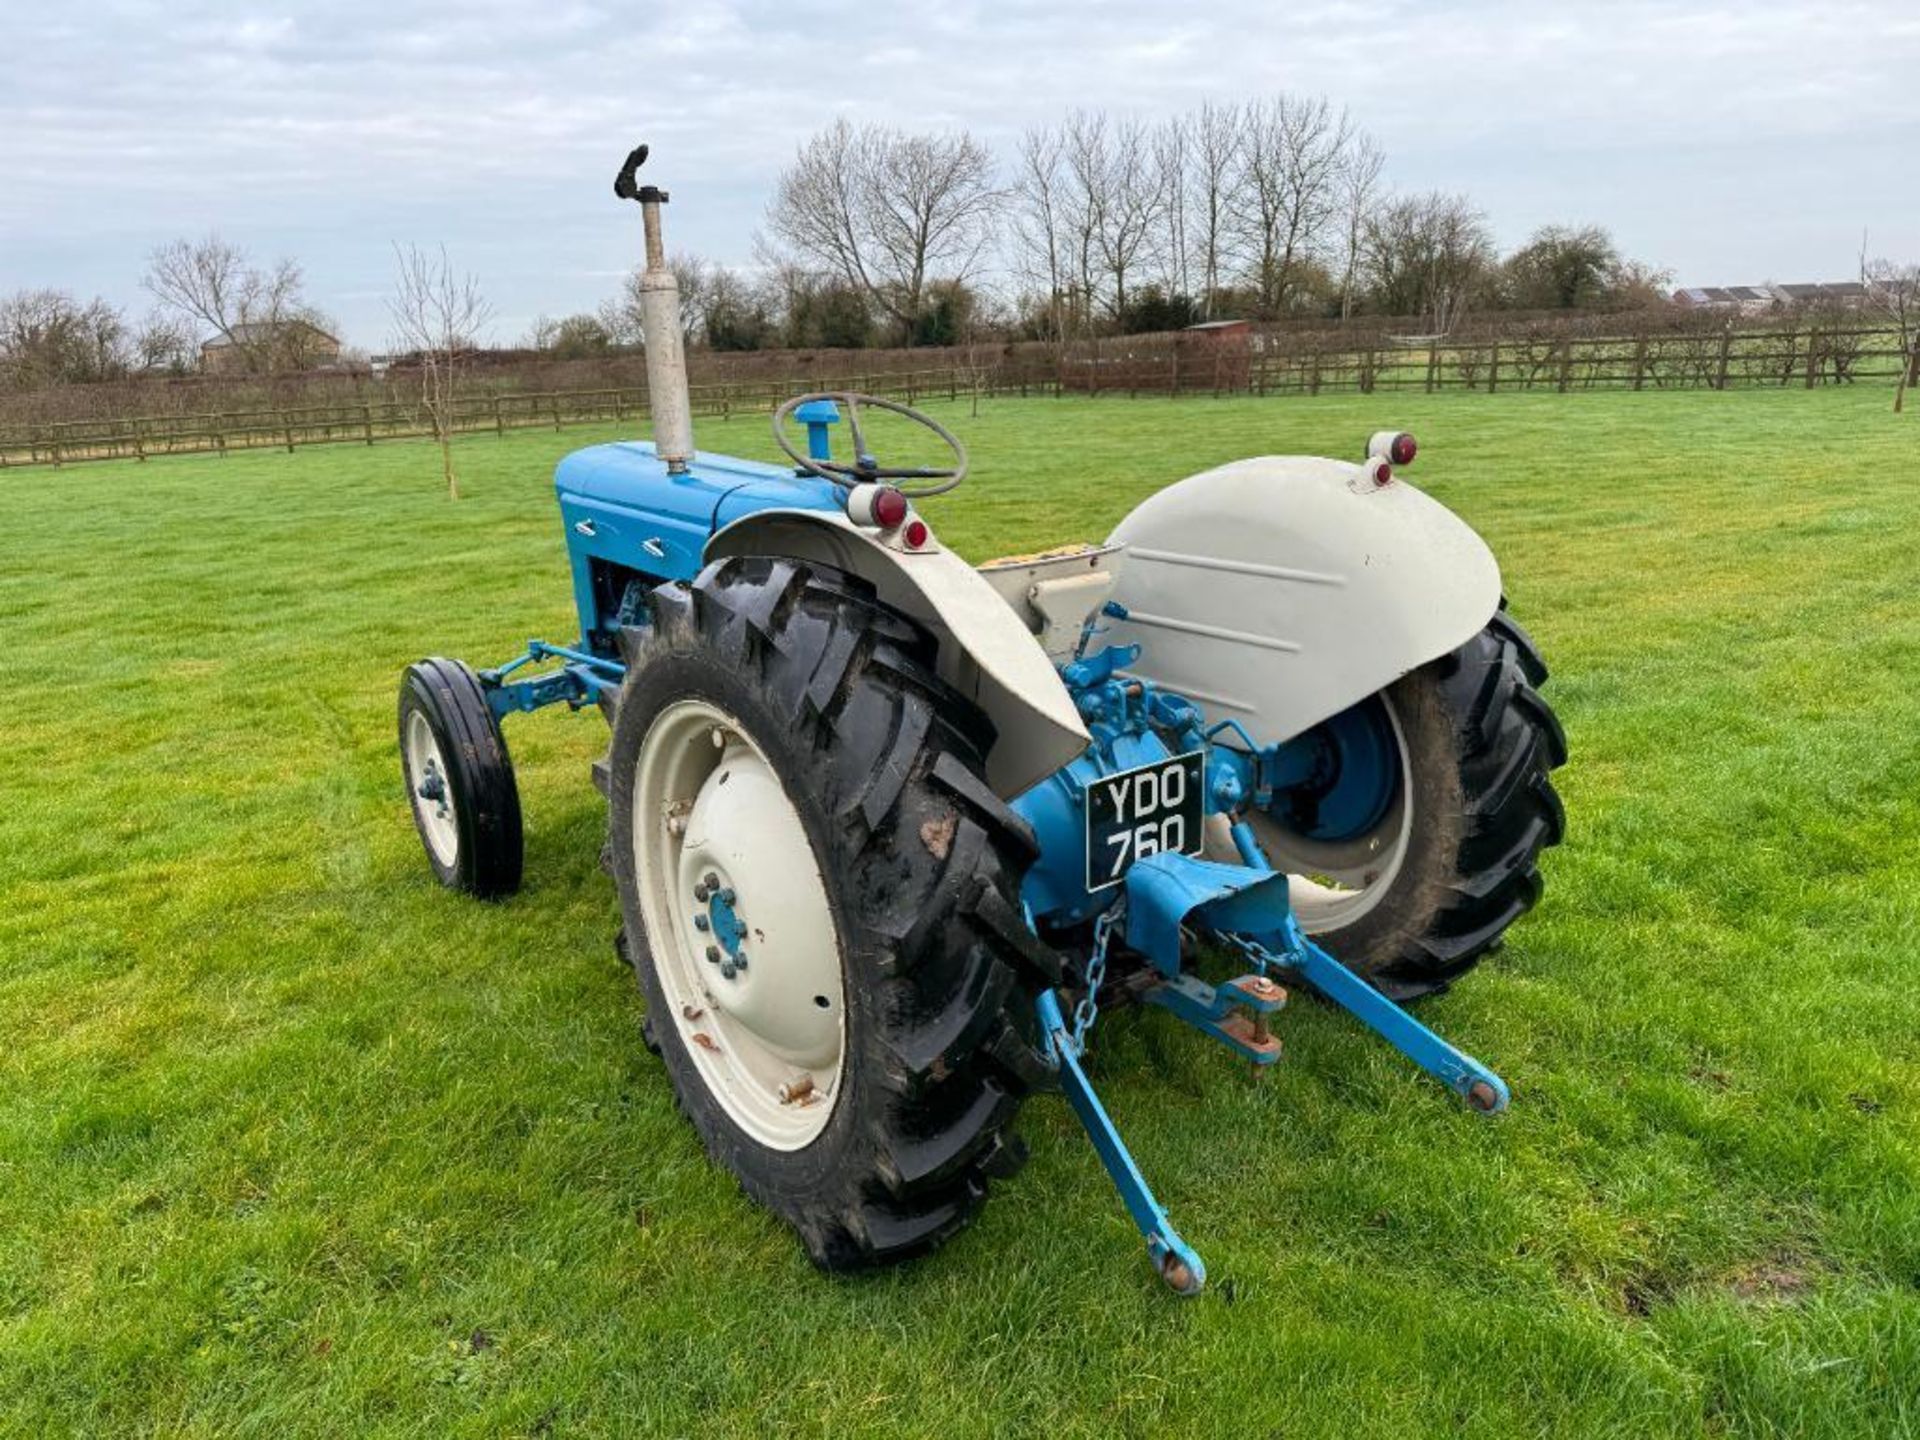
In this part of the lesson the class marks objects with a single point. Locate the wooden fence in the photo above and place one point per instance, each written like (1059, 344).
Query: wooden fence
(1168, 366)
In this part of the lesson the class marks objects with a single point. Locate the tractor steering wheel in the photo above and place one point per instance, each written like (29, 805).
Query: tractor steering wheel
(864, 468)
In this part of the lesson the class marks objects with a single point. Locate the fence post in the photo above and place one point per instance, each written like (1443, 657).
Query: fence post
(1813, 356)
(1433, 365)
(1639, 362)
(286, 426)
(1726, 354)
(554, 399)
(366, 422)
(1566, 363)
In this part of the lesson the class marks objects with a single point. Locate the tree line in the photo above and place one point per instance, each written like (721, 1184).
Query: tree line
(200, 289)
(1096, 225)
(1105, 225)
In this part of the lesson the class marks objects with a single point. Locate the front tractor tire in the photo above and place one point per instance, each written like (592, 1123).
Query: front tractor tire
(460, 782)
(820, 897)
(1413, 890)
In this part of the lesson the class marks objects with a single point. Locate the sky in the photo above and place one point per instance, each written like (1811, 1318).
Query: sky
(1728, 143)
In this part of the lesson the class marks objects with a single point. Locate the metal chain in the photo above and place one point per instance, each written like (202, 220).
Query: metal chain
(1088, 1010)
(1252, 949)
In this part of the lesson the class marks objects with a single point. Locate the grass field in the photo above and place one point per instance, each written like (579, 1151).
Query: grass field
(292, 1142)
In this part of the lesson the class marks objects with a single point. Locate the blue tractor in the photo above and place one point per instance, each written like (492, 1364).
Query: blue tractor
(888, 830)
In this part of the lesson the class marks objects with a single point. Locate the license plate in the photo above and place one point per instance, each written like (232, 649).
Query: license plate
(1148, 810)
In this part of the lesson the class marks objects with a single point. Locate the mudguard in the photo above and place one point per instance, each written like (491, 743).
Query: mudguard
(986, 652)
(1280, 590)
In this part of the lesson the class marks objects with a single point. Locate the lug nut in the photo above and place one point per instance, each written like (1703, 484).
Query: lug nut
(700, 922)
(726, 896)
(740, 960)
(798, 1088)
(713, 954)
(726, 971)
(710, 880)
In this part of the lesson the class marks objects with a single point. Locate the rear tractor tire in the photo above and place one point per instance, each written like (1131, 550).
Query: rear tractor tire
(460, 783)
(1413, 890)
(820, 896)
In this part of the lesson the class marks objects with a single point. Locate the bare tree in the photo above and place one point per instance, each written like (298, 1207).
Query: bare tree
(262, 313)
(1289, 189)
(540, 335)
(1170, 143)
(1213, 148)
(1114, 204)
(888, 212)
(1359, 187)
(1040, 226)
(436, 315)
(1426, 256)
(48, 338)
(622, 315)
(1894, 290)
(163, 344)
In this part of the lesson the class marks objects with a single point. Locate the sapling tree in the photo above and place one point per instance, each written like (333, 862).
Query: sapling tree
(1894, 290)
(437, 315)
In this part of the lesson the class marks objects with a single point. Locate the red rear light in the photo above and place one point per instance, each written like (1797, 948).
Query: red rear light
(889, 508)
(915, 534)
(1382, 472)
(1403, 449)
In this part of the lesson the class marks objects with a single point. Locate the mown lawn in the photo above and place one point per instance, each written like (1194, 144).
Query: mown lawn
(293, 1142)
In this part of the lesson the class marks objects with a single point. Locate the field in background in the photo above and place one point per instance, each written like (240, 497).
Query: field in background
(1683, 351)
(292, 1142)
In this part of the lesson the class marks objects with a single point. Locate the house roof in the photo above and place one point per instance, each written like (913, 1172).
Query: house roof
(1750, 294)
(259, 330)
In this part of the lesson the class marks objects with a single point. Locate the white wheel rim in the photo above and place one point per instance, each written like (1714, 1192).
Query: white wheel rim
(431, 790)
(710, 815)
(1329, 898)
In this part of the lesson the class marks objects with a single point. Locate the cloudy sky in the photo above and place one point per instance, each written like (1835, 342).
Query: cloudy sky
(1732, 143)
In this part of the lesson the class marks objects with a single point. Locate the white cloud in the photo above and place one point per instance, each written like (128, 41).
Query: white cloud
(1710, 135)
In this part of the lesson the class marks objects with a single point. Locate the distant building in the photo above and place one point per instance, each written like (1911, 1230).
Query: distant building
(293, 344)
(1750, 299)
(1221, 329)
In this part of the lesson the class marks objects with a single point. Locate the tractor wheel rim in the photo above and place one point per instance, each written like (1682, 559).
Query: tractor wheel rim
(739, 927)
(431, 791)
(1334, 886)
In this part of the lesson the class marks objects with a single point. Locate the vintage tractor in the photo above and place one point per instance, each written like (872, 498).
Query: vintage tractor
(887, 830)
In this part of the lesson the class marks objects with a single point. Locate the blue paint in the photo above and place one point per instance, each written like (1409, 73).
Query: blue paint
(728, 928)
(1448, 1064)
(1339, 779)
(817, 415)
(1215, 1010)
(620, 506)
(1165, 892)
(1167, 1250)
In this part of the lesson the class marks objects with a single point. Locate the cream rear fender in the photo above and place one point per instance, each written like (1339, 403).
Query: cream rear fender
(1281, 590)
(986, 652)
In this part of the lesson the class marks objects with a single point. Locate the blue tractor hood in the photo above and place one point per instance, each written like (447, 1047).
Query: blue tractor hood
(621, 507)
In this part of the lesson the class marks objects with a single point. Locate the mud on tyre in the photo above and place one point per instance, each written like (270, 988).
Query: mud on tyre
(820, 705)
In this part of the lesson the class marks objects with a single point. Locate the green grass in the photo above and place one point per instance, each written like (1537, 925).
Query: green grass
(292, 1142)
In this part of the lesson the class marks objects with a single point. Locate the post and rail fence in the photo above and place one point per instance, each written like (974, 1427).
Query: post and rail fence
(1176, 365)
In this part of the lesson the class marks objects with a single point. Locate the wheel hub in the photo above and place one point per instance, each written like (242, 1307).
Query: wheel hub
(433, 797)
(739, 925)
(1341, 832)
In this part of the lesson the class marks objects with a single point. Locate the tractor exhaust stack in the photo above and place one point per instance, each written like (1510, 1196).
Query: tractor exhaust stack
(668, 400)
